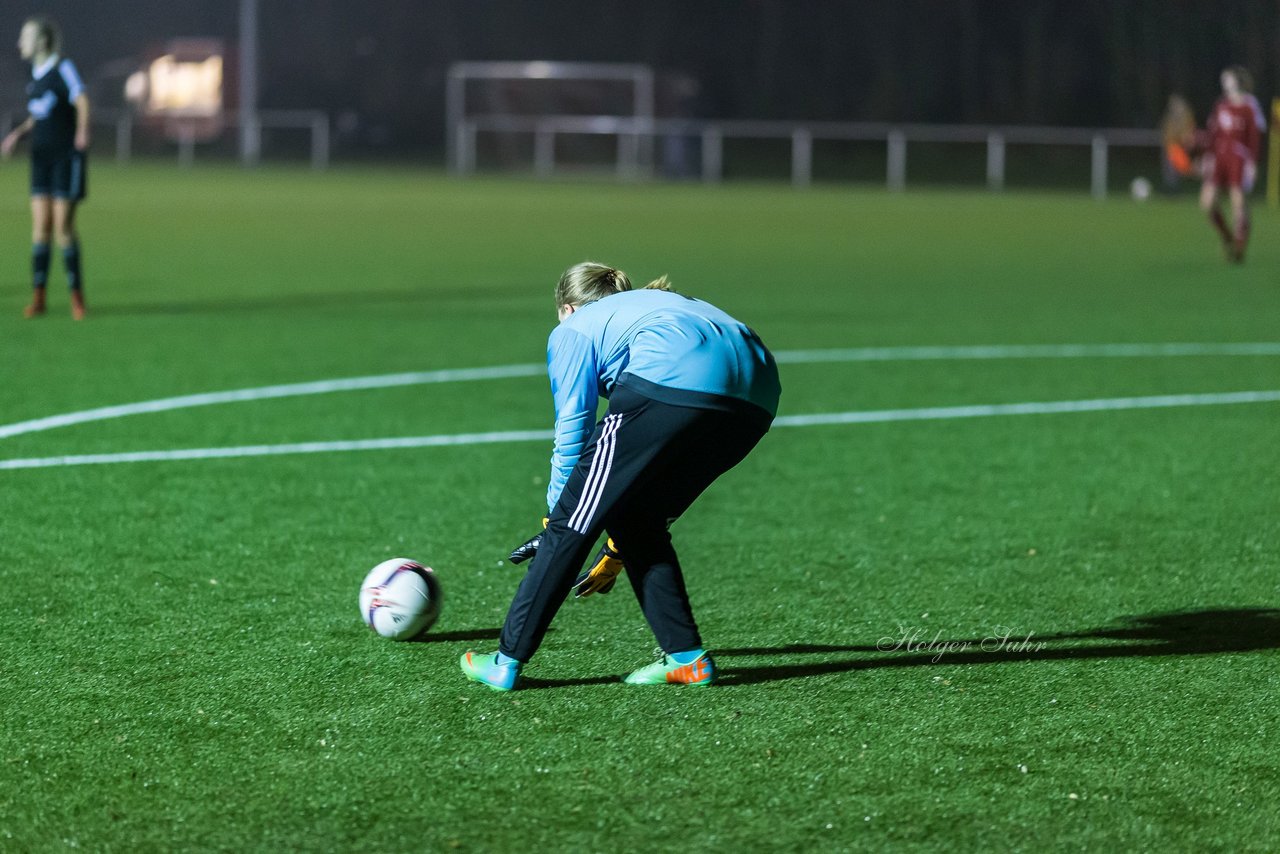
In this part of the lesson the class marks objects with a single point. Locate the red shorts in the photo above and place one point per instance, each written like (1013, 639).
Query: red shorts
(1227, 169)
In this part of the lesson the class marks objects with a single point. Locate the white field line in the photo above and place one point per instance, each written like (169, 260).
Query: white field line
(188, 401)
(1029, 351)
(1050, 407)
(861, 354)
(282, 450)
(933, 413)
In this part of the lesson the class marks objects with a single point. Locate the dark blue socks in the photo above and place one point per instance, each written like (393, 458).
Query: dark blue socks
(39, 264)
(71, 260)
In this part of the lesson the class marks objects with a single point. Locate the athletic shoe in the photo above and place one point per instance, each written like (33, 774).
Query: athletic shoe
(666, 671)
(480, 667)
(77, 305)
(37, 306)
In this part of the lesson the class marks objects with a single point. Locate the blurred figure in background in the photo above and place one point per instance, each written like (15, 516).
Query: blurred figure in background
(1234, 140)
(58, 122)
(678, 99)
(1178, 136)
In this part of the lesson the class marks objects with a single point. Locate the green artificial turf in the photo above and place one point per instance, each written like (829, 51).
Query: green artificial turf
(1031, 633)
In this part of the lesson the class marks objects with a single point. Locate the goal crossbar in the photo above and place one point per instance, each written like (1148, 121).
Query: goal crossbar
(460, 120)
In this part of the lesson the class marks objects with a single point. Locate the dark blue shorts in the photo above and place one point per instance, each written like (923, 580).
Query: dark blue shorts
(62, 175)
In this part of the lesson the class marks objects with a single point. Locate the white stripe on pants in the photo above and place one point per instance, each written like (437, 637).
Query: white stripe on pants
(592, 490)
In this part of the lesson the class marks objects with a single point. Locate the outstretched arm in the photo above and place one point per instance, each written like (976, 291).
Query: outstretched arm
(571, 365)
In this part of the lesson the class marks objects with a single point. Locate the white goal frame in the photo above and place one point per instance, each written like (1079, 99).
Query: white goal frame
(634, 130)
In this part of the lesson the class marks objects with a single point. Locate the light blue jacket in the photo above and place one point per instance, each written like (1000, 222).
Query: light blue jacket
(668, 341)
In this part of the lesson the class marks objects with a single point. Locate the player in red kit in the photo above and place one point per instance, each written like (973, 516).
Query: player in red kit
(1234, 139)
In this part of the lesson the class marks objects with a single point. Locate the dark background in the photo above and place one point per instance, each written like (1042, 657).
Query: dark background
(378, 67)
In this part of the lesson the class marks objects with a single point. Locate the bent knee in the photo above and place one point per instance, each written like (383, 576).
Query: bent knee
(640, 542)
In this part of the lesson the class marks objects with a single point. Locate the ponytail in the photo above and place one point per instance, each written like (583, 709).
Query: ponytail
(589, 281)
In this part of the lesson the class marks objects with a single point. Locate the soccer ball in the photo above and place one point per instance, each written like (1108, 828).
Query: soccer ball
(1140, 189)
(400, 598)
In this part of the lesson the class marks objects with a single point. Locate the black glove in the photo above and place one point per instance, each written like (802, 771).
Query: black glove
(529, 547)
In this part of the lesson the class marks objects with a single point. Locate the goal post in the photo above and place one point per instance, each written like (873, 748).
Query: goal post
(1273, 156)
(508, 98)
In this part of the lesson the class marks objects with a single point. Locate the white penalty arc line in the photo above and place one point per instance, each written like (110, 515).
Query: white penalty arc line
(933, 413)
(189, 401)
(859, 354)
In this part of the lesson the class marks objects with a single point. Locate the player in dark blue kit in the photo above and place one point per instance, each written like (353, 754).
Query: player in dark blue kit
(58, 123)
(691, 391)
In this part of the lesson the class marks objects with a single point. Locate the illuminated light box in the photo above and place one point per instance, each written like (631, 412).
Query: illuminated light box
(181, 88)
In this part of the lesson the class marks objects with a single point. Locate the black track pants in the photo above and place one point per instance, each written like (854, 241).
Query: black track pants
(644, 465)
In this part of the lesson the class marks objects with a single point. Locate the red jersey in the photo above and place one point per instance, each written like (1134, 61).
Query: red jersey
(1235, 130)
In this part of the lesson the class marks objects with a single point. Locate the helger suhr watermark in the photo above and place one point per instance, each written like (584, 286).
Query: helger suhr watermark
(1001, 639)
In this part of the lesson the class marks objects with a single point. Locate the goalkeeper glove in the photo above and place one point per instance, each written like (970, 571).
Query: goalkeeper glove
(529, 547)
(602, 574)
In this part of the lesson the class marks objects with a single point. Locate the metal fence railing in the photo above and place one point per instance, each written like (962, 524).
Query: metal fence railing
(124, 127)
(634, 138)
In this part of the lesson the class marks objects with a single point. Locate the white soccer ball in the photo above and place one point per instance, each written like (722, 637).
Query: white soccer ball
(400, 598)
(1140, 189)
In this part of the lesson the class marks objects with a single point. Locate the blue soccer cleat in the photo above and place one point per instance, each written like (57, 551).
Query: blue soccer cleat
(483, 668)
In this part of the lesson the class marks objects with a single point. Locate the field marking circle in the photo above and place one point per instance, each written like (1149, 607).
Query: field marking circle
(865, 354)
(881, 416)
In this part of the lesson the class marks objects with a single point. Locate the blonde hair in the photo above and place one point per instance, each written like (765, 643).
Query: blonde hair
(589, 281)
(1243, 78)
(46, 31)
